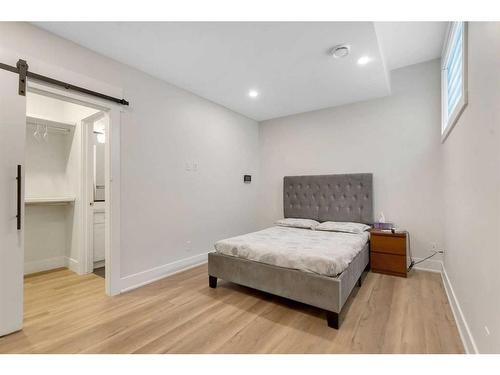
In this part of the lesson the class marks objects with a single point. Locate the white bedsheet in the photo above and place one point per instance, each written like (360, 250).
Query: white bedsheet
(325, 253)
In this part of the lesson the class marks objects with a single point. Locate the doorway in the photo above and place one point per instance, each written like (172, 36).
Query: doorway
(65, 208)
(95, 239)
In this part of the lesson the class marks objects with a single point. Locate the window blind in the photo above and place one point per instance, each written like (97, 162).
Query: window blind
(454, 71)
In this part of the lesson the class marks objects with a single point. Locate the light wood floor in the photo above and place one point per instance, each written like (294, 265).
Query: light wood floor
(67, 313)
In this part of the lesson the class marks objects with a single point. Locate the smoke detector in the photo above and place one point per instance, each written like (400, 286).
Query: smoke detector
(340, 51)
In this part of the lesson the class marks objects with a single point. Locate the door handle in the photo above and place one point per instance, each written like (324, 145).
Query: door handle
(19, 207)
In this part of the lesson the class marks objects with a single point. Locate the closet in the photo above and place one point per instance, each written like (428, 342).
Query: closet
(54, 185)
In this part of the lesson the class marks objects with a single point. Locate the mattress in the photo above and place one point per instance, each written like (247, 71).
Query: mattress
(321, 252)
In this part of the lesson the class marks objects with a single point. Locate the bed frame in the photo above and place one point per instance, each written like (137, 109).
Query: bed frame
(346, 197)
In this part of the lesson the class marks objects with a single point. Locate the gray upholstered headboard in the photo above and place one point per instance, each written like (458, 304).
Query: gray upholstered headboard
(333, 197)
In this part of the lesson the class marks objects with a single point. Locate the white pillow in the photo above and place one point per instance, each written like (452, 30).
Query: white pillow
(297, 223)
(335, 226)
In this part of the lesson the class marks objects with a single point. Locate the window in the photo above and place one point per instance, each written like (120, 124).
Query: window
(453, 76)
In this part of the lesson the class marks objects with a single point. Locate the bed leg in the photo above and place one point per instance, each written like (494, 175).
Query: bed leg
(212, 281)
(359, 282)
(333, 319)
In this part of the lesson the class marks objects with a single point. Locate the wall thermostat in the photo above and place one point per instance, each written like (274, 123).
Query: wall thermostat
(247, 178)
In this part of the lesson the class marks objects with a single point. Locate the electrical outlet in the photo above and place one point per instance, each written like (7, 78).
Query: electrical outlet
(435, 249)
(191, 166)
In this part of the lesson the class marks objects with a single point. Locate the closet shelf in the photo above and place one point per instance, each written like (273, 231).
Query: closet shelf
(49, 200)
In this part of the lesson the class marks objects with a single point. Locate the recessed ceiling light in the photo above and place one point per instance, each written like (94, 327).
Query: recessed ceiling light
(340, 51)
(253, 94)
(364, 60)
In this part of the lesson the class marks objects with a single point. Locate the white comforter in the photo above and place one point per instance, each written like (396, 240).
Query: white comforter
(325, 253)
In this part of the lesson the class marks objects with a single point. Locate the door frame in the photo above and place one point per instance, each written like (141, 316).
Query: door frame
(86, 255)
(112, 178)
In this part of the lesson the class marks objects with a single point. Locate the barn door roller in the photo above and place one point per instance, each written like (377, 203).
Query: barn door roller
(21, 68)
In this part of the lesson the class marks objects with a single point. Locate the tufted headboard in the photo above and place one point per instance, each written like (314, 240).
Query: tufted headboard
(332, 197)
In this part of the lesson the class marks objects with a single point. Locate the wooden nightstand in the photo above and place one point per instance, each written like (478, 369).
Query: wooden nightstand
(388, 252)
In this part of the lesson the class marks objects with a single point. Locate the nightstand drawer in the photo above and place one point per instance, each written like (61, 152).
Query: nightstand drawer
(388, 263)
(388, 244)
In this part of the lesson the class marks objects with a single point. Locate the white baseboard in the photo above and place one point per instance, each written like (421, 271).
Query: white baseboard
(146, 277)
(430, 265)
(463, 328)
(72, 264)
(44, 265)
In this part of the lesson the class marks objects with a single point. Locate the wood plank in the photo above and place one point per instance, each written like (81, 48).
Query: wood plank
(68, 313)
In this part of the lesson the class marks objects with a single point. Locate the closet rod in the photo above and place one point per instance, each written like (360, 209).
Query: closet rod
(51, 127)
(21, 68)
(57, 125)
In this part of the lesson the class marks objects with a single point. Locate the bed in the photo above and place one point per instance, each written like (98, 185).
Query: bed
(325, 279)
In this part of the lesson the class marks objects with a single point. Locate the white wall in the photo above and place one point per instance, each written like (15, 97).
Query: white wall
(46, 239)
(397, 138)
(47, 163)
(471, 177)
(163, 206)
(56, 110)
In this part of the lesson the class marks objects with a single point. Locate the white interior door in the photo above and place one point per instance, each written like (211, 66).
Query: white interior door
(12, 146)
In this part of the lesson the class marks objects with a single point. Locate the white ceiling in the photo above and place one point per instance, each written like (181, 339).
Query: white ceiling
(287, 63)
(407, 43)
